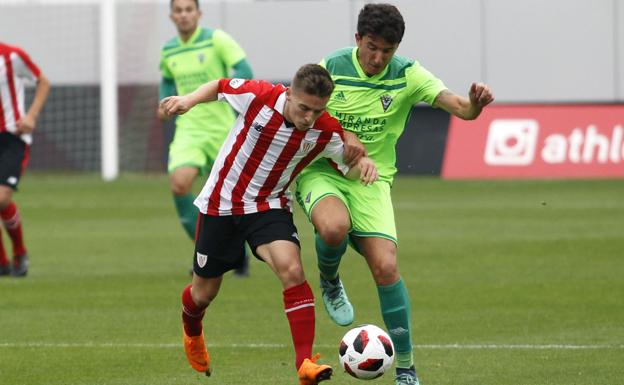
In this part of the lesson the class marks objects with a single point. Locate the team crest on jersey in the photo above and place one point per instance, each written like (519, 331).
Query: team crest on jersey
(340, 97)
(386, 100)
(306, 146)
(201, 57)
(257, 126)
(202, 259)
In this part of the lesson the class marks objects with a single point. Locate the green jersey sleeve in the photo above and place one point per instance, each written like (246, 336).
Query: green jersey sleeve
(229, 50)
(423, 85)
(167, 88)
(164, 69)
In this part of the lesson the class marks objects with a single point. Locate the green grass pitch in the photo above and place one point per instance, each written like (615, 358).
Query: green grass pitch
(511, 283)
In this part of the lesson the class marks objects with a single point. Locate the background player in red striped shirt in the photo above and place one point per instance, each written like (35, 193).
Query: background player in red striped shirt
(277, 133)
(16, 127)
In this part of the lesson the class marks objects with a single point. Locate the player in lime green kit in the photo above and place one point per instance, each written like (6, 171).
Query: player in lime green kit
(375, 92)
(194, 57)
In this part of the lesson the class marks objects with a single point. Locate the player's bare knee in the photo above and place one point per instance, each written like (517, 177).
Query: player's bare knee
(385, 273)
(333, 233)
(292, 275)
(5, 197)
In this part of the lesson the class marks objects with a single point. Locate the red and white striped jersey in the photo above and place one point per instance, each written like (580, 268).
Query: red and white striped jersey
(16, 70)
(263, 152)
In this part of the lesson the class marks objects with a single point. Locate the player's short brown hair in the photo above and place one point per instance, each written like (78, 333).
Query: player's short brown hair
(196, 3)
(313, 80)
(381, 20)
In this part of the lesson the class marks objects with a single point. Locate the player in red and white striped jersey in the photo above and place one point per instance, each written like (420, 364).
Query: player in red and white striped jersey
(16, 127)
(277, 133)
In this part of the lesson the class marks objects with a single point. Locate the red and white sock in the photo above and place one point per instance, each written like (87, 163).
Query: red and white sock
(299, 307)
(192, 315)
(13, 225)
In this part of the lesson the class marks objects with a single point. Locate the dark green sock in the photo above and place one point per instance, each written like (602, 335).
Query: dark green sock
(187, 212)
(329, 257)
(395, 309)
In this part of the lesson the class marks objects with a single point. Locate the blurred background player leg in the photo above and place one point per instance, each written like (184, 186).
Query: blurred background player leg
(5, 269)
(13, 226)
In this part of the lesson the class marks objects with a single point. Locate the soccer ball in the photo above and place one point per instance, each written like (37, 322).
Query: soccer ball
(366, 352)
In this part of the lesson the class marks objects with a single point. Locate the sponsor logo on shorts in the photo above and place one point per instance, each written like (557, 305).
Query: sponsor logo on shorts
(202, 259)
(295, 235)
(12, 180)
(235, 83)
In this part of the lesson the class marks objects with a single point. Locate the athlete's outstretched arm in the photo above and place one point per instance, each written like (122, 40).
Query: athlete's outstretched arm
(467, 108)
(178, 105)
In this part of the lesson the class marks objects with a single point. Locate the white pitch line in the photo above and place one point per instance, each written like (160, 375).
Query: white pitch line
(281, 346)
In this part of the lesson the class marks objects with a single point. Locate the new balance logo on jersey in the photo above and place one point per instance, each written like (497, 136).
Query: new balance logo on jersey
(201, 57)
(307, 198)
(236, 82)
(257, 126)
(386, 100)
(340, 97)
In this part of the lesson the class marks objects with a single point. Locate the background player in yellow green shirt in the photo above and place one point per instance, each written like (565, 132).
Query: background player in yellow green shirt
(375, 92)
(194, 57)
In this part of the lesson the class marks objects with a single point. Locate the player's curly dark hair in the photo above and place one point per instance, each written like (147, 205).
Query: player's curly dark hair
(196, 3)
(313, 80)
(381, 20)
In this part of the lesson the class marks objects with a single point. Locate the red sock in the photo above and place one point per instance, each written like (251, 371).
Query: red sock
(3, 257)
(299, 306)
(192, 314)
(13, 225)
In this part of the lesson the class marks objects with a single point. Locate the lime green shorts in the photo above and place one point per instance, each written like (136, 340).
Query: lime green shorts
(370, 207)
(193, 151)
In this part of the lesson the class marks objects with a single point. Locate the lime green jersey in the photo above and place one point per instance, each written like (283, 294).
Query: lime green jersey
(207, 55)
(377, 108)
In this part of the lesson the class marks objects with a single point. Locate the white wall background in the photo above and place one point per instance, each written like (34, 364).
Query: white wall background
(527, 50)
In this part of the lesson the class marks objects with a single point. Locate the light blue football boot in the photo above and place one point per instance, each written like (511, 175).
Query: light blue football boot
(336, 301)
(406, 376)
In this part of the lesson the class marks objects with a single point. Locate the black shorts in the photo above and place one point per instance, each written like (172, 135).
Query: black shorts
(13, 159)
(220, 241)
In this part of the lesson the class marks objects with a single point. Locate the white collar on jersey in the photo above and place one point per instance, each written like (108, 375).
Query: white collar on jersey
(280, 102)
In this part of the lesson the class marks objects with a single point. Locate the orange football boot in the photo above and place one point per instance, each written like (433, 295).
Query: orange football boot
(310, 373)
(196, 352)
